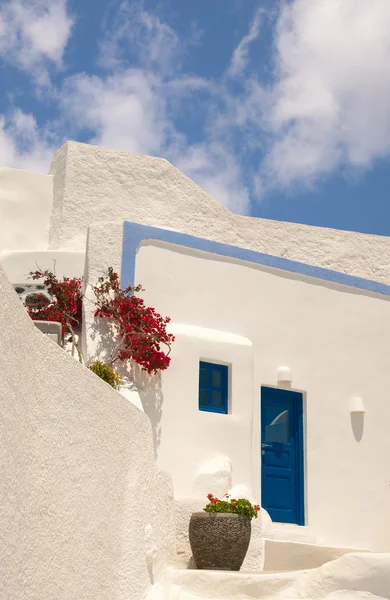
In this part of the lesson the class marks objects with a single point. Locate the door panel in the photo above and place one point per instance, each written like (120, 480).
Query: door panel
(282, 455)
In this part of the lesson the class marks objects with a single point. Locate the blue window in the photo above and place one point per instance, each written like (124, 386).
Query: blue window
(213, 387)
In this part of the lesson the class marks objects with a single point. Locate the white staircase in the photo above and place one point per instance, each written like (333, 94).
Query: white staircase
(351, 577)
(285, 532)
(283, 556)
(294, 548)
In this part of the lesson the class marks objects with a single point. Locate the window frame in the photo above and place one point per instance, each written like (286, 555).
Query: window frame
(223, 388)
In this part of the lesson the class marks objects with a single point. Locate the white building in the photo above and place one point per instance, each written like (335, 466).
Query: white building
(280, 368)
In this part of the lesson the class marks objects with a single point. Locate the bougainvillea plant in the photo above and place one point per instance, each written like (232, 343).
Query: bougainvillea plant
(230, 505)
(65, 306)
(141, 331)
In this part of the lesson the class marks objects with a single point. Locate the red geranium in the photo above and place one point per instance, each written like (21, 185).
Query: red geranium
(242, 506)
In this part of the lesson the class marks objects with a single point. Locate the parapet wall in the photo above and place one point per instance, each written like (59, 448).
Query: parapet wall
(25, 209)
(94, 185)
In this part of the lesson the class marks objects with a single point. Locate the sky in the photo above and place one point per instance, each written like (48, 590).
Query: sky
(279, 109)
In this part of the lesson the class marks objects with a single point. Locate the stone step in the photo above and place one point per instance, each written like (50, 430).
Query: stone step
(194, 584)
(288, 532)
(282, 556)
(351, 577)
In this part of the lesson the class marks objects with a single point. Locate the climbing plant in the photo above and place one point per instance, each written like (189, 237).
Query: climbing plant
(65, 306)
(139, 332)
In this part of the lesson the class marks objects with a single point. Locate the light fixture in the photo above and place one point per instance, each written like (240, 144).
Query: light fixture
(284, 375)
(356, 405)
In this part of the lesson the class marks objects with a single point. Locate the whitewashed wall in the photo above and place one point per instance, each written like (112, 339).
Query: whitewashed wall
(335, 339)
(18, 265)
(84, 511)
(96, 185)
(90, 185)
(25, 209)
(202, 435)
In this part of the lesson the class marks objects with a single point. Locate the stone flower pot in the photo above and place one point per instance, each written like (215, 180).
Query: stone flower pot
(219, 541)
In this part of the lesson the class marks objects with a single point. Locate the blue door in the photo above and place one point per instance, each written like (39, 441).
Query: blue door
(282, 455)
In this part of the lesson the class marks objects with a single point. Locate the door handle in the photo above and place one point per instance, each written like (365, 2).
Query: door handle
(266, 445)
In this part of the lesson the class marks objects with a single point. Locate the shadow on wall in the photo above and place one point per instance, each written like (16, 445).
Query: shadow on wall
(149, 387)
(357, 423)
(104, 337)
(150, 392)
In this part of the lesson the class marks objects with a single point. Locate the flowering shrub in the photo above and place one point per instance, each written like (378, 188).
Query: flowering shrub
(140, 329)
(140, 332)
(230, 505)
(107, 373)
(65, 306)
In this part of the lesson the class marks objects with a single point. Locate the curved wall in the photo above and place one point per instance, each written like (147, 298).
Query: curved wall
(84, 510)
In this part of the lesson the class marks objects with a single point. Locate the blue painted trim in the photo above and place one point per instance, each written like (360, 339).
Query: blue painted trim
(300, 461)
(134, 234)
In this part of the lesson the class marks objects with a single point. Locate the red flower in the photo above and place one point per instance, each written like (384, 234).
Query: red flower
(141, 330)
(210, 496)
(234, 506)
(257, 507)
(66, 304)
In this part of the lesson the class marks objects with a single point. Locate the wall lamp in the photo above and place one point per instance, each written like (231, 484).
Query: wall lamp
(356, 405)
(284, 375)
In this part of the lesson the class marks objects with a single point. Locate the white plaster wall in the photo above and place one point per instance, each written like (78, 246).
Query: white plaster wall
(203, 435)
(335, 339)
(17, 265)
(25, 208)
(103, 250)
(93, 184)
(84, 511)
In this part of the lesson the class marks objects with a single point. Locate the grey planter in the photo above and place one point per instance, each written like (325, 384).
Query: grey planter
(219, 541)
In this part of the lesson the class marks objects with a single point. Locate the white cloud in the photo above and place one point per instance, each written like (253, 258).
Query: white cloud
(134, 109)
(217, 171)
(34, 32)
(128, 111)
(125, 111)
(131, 109)
(240, 55)
(326, 108)
(153, 43)
(329, 107)
(23, 145)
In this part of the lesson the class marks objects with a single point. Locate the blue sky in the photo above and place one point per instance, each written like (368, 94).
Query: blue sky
(278, 109)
